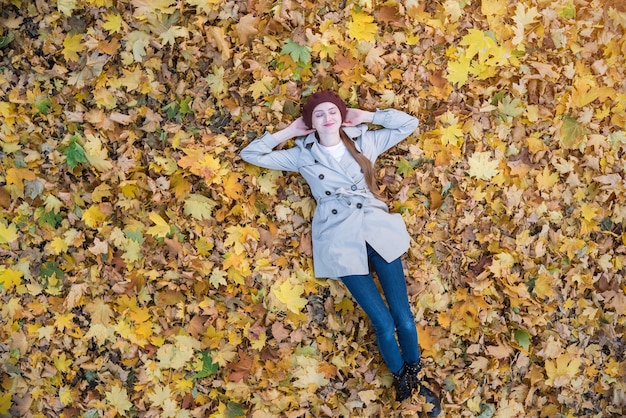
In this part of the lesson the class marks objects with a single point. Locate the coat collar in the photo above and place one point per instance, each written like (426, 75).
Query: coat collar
(310, 142)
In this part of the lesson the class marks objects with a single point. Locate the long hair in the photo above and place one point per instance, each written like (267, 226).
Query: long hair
(367, 166)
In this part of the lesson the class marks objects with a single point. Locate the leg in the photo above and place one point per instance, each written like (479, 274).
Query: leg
(393, 282)
(364, 290)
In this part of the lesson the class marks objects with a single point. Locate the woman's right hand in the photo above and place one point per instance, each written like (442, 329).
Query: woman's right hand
(295, 129)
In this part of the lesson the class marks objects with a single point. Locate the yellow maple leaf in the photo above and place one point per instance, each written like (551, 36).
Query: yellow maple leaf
(93, 216)
(100, 311)
(65, 395)
(66, 6)
(232, 187)
(458, 71)
(96, 153)
(173, 32)
(502, 263)
(238, 235)
(543, 286)
(217, 82)
(452, 135)
(590, 211)
(268, 181)
(160, 395)
(561, 371)
(199, 163)
(72, 46)
(16, 176)
(63, 363)
(100, 192)
(290, 295)
(362, 27)
(177, 355)
(117, 397)
(482, 167)
(206, 6)
(7, 111)
(112, 22)
(8, 233)
(147, 8)
(57, 245)
(572, 246)
(132, 251)
(5, 402)
(546, 180)
(494, 7)
(199, 206)
(523, 17)
(261, 87)
(9, 278)
(161, 228)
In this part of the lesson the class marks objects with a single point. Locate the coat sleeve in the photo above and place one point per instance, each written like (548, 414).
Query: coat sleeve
(261, 152)
(396, 126)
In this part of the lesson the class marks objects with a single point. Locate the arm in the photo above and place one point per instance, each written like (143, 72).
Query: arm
(260, 151)
(396, 124)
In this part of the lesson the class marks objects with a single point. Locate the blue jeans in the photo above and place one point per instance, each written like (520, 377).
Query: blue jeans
(391, 318)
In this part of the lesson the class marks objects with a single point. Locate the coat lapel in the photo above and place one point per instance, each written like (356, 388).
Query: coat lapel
(325, 158)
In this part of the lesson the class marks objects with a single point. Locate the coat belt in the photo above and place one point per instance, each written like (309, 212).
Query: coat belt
(346, 195)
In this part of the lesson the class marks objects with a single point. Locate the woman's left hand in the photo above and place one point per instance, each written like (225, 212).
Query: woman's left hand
(357, 116)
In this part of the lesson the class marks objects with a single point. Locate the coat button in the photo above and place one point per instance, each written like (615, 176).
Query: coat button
(354, 187)
(327, 193)
(321, 176)
(334, 211)
(359, 205)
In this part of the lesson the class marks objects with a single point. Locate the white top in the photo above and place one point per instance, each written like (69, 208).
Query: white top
(337, 151)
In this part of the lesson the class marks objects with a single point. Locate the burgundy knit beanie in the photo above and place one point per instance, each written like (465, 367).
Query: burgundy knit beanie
(322, 97)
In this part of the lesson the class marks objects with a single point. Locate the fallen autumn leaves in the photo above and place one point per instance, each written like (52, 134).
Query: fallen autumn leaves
(146, 271)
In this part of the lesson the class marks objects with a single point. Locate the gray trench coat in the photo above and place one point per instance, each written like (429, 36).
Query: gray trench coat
(347, 215)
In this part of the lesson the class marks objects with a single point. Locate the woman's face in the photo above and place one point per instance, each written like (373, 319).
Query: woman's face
(326, 118)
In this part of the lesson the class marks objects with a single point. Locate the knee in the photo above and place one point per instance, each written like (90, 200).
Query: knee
(384, 326)
(406, 324)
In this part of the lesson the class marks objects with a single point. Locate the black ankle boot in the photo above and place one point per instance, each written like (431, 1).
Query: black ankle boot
(401, 384)
(431, 398)
(412, 371)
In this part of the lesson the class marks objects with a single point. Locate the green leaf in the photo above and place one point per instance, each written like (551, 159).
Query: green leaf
(74, 153)
(510, 107)
(487, 410)
(301, 54)
(497, 98)
(199, 206)
(572, 132)
(523, 338)
(405, 167)
(6, 39)
(171, 109)
(569, 11)
(49, 269)
(184, 106)
(208, 367)
(234, 410)
(92, 413)
(51, 218)
(43, 105)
